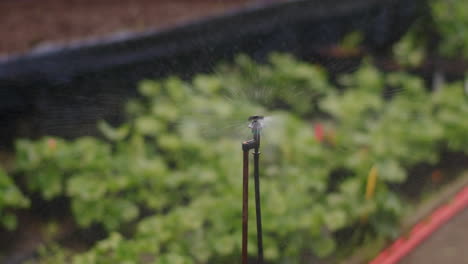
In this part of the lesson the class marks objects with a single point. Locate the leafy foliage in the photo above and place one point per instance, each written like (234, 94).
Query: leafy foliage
(444, 32)
(452, 23)
(167, 185)
(411, 50)
(10, 197)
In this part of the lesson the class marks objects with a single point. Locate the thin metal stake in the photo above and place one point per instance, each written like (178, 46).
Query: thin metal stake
(245, 205)
(256, 155)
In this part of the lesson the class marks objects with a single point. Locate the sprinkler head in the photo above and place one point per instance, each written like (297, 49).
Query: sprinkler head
(256, 124)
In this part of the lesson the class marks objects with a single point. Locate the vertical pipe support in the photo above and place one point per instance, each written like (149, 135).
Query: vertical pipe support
(245, 205)
(256, 155)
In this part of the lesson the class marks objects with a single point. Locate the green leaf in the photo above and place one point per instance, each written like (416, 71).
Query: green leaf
(323, 246)
(335, 219)
(391, 171)
(149, 88)
(115, 134)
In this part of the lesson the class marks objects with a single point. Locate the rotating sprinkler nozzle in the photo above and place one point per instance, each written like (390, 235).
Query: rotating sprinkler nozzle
(256, 125)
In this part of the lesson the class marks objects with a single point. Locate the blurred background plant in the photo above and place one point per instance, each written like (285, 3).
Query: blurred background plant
(443, 32)
(165, 188)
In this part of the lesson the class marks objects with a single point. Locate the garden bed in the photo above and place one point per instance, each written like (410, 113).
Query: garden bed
(352, 151)
(139, 177)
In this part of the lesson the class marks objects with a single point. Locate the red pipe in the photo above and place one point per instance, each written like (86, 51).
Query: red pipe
(421, 231)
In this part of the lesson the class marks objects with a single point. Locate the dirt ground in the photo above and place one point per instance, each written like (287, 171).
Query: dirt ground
(27, 24)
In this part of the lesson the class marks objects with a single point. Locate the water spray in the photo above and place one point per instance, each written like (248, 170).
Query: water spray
(256, 125)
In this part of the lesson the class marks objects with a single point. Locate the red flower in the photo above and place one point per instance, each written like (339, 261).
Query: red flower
(319, 132)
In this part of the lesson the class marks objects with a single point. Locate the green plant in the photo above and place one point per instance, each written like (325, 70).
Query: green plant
(451, 20)
(10, 197)
(410, 50)
(443, 30)
(166, 183)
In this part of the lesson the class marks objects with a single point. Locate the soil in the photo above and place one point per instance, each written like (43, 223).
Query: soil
(28, 24)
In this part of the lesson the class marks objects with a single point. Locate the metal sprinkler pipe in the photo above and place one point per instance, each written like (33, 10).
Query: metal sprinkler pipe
(258, 213)
(256, 125)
